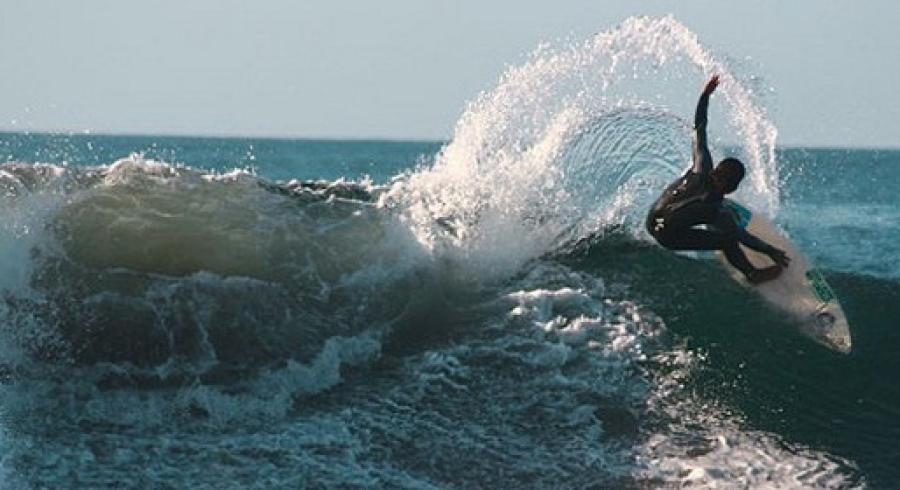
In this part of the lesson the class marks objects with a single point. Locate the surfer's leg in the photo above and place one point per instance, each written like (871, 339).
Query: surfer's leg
(738, 259)
(733, 235)
(697, 239)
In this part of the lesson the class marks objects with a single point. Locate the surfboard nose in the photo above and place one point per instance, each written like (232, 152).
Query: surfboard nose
(833, 330)
(842, 345)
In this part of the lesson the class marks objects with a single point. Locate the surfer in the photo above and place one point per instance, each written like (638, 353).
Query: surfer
(696, 199)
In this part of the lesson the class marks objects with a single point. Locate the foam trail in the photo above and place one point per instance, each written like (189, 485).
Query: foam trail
(505, 173)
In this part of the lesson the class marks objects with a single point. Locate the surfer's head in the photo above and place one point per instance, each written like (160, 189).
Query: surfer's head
(727, 175)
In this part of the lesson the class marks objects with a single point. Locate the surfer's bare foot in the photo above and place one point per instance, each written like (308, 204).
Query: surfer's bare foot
(766, 274)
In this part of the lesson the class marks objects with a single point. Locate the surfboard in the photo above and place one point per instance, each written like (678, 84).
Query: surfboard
(800, 291)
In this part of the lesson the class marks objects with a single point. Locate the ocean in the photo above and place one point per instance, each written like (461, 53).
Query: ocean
(483, 312)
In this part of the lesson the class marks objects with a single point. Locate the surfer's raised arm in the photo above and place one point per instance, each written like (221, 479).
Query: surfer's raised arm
(702, 158)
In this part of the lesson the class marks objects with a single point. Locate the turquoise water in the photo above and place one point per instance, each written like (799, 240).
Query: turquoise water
(483, 312)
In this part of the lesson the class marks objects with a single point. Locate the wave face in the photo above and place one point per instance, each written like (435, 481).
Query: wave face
(483, 313)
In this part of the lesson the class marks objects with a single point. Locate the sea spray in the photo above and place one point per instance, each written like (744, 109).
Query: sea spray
(507, 188)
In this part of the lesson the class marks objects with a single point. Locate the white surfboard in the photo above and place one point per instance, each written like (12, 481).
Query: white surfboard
(800, 290)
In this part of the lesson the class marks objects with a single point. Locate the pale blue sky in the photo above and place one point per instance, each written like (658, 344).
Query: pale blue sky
(405, 69)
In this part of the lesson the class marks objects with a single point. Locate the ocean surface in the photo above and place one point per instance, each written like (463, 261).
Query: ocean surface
(485, 312)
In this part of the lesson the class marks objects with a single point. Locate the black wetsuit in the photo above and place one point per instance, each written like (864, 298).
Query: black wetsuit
(692, 200)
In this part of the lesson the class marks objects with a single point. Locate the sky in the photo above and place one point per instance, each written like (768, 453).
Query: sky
(405, 69)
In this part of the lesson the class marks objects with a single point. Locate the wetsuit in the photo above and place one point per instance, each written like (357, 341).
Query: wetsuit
(692, 200)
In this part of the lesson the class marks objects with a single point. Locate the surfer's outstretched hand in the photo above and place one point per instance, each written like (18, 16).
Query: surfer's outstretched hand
(780, 257)
(711, 85)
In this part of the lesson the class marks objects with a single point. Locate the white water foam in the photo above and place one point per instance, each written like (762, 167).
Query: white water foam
(622, 350)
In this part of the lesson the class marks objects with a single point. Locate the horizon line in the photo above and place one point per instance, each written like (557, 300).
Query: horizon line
(354, 139)
(163, 134)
